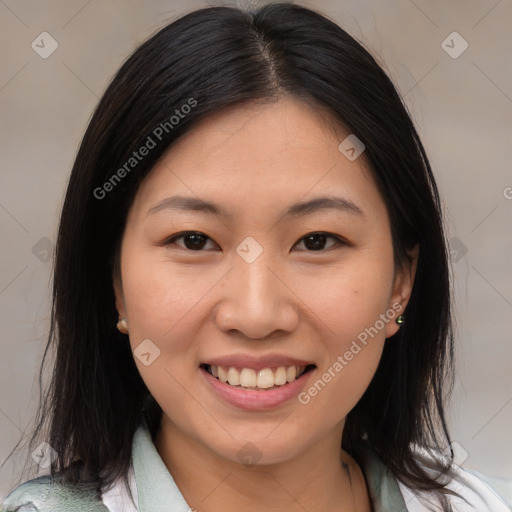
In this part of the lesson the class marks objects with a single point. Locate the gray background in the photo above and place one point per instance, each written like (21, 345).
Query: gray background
(463, 110)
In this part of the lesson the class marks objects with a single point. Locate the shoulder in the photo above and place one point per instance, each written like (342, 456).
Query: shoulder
(475, 494)
(51, 494)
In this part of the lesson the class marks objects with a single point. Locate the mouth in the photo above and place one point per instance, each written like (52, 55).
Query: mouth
(265, 379)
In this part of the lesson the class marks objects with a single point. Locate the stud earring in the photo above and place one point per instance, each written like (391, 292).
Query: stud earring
(400, 320)
(122, 325)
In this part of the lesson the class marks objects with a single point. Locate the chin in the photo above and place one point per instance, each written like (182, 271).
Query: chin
(256, 450)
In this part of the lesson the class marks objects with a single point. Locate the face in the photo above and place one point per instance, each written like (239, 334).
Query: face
(261, 282)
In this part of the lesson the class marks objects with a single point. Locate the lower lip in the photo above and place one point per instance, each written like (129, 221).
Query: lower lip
(251, 399)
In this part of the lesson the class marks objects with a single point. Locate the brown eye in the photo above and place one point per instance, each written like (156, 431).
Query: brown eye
(192, 240)
(196, 241)
(317, 241)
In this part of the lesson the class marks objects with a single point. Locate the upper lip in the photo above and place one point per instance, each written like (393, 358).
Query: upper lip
(256, 363)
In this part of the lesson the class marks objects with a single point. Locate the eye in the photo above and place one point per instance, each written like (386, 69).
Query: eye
(193, 240)
(196, 241)
(316, 241)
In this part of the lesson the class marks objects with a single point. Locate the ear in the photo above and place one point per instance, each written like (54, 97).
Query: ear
(402, 288)
(118, 292)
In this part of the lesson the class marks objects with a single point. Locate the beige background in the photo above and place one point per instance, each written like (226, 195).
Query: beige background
(462, 107)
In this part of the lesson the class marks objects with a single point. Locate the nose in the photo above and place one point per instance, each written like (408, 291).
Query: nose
(257, 300)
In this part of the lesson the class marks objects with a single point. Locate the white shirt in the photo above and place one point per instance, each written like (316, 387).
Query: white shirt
(117, 499)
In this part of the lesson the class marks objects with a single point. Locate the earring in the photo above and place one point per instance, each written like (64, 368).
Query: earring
(400, 320)
(122, 325)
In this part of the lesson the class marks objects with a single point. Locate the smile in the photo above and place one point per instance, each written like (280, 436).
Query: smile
(244, 388)
(264, 379)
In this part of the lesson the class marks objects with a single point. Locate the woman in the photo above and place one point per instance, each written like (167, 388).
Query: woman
(251, 296)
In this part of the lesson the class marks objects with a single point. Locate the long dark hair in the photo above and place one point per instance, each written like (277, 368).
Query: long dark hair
(201, 63)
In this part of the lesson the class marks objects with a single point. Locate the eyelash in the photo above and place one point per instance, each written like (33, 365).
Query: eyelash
(339, 240)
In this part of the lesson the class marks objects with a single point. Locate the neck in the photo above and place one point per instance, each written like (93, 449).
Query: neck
(323, 477)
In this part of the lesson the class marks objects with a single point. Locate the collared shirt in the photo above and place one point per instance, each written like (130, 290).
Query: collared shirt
(151, 478)
(155, 490)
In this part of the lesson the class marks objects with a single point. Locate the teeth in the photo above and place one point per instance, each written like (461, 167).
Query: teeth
(249, 378)
(280, 376)
(265, 378)
(223, 374)
(291, 373)
(234, 377)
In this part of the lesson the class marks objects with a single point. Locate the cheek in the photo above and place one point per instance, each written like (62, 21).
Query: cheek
(161, 297)
(350, 297)
(352, 313)
(163, 305)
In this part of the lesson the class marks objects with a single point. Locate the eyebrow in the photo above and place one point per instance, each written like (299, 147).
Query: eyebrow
(299, 209)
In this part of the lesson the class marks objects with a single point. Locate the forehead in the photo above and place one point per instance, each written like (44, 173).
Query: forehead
(256, 155)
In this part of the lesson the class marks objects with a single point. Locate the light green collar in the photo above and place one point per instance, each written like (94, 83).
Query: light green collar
(382, 484)
(157, 491)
